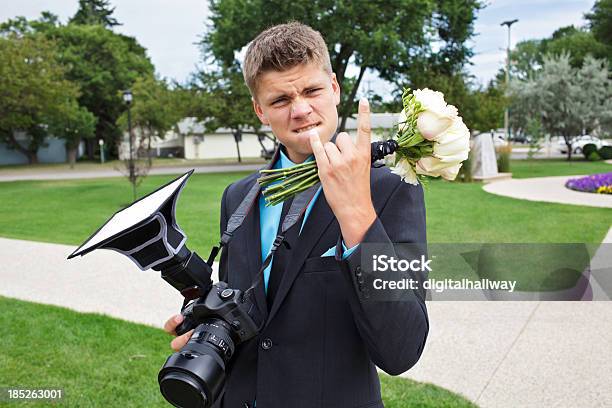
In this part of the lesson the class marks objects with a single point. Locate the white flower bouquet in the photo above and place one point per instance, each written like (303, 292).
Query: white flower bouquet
(431, 140)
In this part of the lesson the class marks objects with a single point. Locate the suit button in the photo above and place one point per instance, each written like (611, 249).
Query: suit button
(266, 344)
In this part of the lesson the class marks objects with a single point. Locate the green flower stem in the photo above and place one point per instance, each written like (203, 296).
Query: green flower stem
(292, 189)
(416, 139)
(285, 169)
(284, 173)
(283, 198)
(290, 192)
(287, 182)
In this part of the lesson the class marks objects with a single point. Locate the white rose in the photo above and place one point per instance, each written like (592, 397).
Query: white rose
(453, 145)
(450, 173)
(434, 167)
(431, 125)
(405, 171)
(438, 115)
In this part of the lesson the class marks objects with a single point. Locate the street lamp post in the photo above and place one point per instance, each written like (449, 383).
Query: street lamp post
(507, 112)
(127, 98)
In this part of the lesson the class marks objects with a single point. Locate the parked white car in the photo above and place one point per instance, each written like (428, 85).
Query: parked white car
(578, 143)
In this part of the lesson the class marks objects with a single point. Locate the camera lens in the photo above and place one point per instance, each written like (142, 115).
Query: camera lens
(181, 390)
(194, 376)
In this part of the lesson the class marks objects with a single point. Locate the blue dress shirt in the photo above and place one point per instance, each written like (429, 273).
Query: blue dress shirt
(269, 218)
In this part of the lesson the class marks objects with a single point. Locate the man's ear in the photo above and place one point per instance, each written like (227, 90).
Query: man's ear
(335, 88)
(259, 112)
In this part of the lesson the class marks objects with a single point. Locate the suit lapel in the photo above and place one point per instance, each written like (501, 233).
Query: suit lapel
(318, 220)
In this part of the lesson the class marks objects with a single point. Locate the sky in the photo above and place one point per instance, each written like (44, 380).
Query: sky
(170, 29)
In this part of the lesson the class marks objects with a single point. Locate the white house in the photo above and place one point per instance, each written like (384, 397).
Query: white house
(191, 141)
(52, 151)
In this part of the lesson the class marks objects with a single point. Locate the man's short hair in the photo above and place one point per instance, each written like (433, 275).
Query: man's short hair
(282, 47)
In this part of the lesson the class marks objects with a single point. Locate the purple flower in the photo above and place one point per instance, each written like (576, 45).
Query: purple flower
(591, 183)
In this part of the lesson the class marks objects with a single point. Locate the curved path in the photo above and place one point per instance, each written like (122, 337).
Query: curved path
(498, 354)
(547, 189)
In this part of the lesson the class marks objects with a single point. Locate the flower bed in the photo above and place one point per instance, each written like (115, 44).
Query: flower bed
(595, 183)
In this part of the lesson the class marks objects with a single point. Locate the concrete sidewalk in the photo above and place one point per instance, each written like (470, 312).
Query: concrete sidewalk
(50, 174)
(547, 189)
(498, 354)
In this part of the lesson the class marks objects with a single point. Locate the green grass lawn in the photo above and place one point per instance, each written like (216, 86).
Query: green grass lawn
(458, 212)
(556, 167)
(69, 211)
(103, 362)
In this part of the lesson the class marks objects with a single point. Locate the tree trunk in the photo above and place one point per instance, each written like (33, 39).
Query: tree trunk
(346, 111)
(31, 154)
(568, 143)
(90, 147)
(341, 62)
(71, 155)
(237, 137)
(32, 157)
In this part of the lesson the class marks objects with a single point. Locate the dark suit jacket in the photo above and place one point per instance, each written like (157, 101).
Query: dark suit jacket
(322, 338)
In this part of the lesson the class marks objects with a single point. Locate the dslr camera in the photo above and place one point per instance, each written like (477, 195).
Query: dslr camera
(222, 317)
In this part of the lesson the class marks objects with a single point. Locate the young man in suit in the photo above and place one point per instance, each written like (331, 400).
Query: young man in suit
(322, 336)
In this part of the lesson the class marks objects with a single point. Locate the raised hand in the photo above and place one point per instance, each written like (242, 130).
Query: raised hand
(344, 170)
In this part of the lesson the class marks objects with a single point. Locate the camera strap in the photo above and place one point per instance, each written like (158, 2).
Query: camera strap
(237, 218)
(296, 210)
(298, 207)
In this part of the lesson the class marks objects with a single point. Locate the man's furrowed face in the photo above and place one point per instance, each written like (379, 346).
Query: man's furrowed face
(296, 100)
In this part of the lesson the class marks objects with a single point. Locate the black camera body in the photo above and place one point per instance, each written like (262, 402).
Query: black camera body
(194, 376)
(147, 233)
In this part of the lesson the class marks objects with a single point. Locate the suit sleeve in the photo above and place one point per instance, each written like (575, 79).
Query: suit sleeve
(394, 331)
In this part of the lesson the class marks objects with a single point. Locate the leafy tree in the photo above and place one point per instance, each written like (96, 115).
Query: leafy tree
(20, 25)
(525, 104)
(392, 38)
(486, 110)
(155, 110)
(527, 57)
(220, 99)
(103, 64)
(555, 85)
(566, 101)
(74, 124)
(34, 92)
(600, 19)
(93, 12)
(578, 43)
(593, 95)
